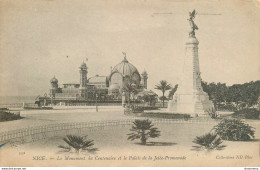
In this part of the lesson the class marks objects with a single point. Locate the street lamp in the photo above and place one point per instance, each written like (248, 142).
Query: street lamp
(133, 91)
(96, 102)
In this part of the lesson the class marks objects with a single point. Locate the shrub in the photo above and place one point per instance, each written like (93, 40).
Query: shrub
(212, 113)
(248, 113)
(234, 130)
(137, 109)
(7, 116)
(150, 108)
(78, 143)
(143, 129)
(209, 142)
(226, 107)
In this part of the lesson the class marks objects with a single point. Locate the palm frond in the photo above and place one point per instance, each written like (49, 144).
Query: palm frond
(208, 141)
(143, 129)
(64, 148)
(77, 142)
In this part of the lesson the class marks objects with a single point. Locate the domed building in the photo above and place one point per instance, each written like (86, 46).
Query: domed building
(111, 88)
(124, 73)
(121, 75)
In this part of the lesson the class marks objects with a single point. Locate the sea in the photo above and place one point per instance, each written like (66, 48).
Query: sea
(16, 99)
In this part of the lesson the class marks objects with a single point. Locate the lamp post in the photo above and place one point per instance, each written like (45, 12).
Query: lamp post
(133, 93)
(96, 102)
(133, 100)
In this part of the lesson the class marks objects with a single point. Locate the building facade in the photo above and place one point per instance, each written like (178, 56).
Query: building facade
(111, 88)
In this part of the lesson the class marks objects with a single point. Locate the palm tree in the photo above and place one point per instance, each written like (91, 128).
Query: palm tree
(143, 129)
(130, 88)
(163, 86)
(209, 142)
(78, 143)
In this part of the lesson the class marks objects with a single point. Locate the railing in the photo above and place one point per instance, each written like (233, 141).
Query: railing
(41, 132)
(92, 103)
(160, 104)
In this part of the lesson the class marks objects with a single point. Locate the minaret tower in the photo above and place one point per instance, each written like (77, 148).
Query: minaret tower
(54, 86)
(144, 77)
(190, 97)
(83, 70)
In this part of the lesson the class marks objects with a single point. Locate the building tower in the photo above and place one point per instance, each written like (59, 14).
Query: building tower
(54, 87)
(190, 97)
(83, 70)
(144, 79)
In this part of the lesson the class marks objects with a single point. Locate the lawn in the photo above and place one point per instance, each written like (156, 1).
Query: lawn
(175, 141)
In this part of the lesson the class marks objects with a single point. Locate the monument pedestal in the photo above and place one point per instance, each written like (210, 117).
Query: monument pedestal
(190, 97)
(192, 104)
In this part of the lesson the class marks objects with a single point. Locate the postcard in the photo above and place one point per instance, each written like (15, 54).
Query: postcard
(126, 83)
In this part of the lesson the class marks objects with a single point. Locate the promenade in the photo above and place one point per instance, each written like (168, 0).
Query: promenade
(32, 118)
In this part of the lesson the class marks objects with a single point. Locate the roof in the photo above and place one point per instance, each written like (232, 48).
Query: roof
(70, 83)
(147, 92)
(124, 68)
(54, 80)
(83, 65)
(97, 79)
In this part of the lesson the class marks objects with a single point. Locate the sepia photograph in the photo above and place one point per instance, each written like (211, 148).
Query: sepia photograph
(129, 83)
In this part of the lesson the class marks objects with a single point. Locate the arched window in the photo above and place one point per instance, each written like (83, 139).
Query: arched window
(116, 79)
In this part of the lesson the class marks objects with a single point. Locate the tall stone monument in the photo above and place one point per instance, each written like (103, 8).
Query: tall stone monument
(190, 97)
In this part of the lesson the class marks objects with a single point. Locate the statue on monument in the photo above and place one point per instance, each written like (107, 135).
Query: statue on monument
(192, 24)
(190, 98)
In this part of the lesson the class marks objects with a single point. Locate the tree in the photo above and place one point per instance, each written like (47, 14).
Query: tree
(78, 143)
(246, 94)
(143, 129)
(217, 92)
(149, 97)
(163, 98)
(130, 88)
(235, 94)
(172, 91)
(241, 95)
(163, 86)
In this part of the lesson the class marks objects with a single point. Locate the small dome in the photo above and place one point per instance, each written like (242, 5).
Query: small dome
(114, 87)
(144, 73)
(83, 65)
(54, 80)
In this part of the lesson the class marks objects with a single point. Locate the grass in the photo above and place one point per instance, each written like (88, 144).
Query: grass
(175, 138)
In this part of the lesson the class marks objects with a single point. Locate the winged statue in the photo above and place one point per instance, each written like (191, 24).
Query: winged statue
(192, 24)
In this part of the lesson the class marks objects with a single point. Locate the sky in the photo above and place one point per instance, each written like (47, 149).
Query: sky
(43, 38)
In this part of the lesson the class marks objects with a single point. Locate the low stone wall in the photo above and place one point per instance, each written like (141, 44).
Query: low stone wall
(88, 107)
(165, 115)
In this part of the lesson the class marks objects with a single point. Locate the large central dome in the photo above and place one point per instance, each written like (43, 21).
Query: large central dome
(125, 68)
(124, 72)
